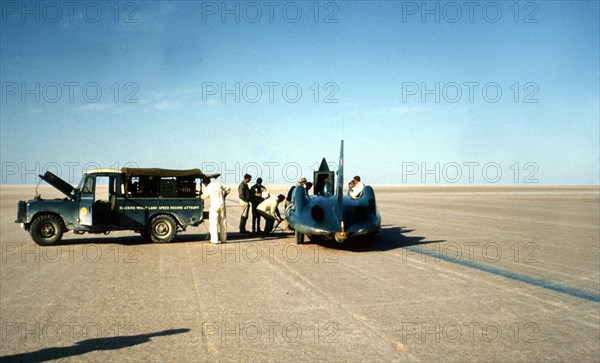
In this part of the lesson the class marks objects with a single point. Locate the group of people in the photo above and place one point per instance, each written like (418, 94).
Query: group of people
(256, 198)
(263, 205)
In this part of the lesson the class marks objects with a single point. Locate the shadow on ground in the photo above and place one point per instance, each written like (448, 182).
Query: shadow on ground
(128, 240)
(136, 239)
(390, 238)
(86, 346)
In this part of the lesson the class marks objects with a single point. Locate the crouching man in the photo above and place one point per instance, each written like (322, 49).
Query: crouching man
(270, 211)
(217, 192)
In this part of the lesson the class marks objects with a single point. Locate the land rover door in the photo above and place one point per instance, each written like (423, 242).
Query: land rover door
(86, 200)
(98, 201)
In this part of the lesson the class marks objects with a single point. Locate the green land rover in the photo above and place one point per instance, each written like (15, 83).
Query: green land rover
(157, 203)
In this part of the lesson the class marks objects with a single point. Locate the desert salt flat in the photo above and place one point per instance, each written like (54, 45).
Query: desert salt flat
(458, 274)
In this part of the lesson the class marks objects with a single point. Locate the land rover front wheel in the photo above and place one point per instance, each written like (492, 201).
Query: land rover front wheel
(46, 230)
(162, 229)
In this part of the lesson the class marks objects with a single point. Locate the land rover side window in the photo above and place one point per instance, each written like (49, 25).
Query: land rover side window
(88, 185)
(168, 187)
(132, 187)
(104, 187)
(186, 188)
(177, 187)
(143, 186)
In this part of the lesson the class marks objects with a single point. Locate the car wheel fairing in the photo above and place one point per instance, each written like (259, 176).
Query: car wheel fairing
(299, 237)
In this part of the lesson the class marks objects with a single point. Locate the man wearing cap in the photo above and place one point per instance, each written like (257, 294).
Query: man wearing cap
(217, 215)
(270, 211)
(244, 194)
(288, 199)
(256, 193)
(356, 187)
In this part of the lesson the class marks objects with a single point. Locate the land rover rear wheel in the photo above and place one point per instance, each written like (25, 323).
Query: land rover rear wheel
(46, 229)
(162, 229)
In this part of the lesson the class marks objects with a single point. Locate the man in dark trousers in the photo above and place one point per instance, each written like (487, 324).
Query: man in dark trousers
(270, 211)
(244, 194)
(256, 193)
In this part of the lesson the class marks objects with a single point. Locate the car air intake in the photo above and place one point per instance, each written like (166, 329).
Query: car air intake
(317, 213)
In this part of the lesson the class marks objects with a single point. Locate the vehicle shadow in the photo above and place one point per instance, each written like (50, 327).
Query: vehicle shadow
(121, 240)
(86, 346)
(134, 239)
(390, 238)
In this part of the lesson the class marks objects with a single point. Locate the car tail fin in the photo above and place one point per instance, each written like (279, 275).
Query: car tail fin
(340, 176)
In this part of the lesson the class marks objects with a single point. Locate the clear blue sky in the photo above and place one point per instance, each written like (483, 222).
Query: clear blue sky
(370, 61)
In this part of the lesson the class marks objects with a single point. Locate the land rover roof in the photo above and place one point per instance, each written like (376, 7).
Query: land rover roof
(103, 171)
(191, 173)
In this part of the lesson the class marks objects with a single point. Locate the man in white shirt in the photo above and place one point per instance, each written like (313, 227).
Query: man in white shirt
(268, 209)
(356, 187)
(217, 192)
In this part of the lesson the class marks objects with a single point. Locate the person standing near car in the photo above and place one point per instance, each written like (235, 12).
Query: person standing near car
(256, 193)
(244, 195)
(217, 192)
